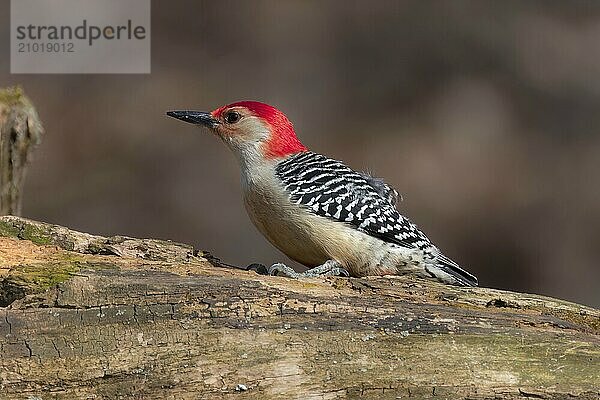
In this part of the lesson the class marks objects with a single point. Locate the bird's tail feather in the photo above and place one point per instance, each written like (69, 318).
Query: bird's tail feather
(462, 277)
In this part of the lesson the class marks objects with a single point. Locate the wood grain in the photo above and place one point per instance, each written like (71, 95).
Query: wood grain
(88, 317)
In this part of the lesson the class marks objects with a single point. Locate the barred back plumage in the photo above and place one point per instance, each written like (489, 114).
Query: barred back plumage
(330, 189)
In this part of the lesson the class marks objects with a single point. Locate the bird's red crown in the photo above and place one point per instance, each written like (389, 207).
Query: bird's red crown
(283, 141)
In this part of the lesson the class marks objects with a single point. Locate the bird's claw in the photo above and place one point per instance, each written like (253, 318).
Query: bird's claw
(328, 268)
(338, 272)
(280, 269)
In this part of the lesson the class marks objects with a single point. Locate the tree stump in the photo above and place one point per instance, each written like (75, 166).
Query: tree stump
(89, 317)
(20, 132)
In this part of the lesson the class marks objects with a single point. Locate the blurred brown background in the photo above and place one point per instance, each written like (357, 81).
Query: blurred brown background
(484, 114)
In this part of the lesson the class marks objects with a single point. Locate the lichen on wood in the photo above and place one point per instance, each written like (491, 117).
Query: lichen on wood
(96, 317)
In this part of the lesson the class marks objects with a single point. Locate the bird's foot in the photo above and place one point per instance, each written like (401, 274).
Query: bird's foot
(328, 268)
(260, 269)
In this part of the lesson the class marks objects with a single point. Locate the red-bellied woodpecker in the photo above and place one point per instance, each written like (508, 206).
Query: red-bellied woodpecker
(316, 210)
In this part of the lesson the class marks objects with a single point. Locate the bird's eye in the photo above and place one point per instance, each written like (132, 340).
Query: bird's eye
(232, 117)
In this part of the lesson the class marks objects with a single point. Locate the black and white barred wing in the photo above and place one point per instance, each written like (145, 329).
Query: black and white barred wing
(330, 189)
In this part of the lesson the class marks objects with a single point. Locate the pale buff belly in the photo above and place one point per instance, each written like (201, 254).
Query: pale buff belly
(311, 240)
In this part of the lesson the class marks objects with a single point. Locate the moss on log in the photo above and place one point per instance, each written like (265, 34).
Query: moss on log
(91, 317)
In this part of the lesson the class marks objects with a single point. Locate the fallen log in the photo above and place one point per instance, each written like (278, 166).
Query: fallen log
(84, 316)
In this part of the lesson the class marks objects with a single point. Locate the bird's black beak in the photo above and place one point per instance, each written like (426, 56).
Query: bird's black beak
(195, 117)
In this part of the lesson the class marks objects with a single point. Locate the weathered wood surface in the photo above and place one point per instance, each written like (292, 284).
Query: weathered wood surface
(88, 317)
(20, 132)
